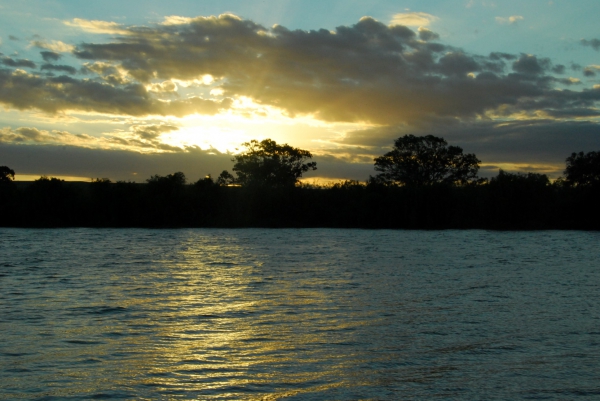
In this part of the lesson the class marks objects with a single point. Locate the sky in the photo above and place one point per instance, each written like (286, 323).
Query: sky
(129, 89)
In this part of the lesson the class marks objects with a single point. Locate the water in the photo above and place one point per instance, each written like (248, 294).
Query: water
(311, 314)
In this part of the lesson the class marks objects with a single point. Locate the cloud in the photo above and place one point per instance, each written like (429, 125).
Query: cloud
(63, 68)
(413, 19)
(504, 107)
(512, 20)
(17, 62)
(591, 70)
(107, 72)
(323, 73)
(176, 20)
(426, 34)
(530, 64)
(66, 160)
(95, 26)
(32, 135)
(24, 91)
(363, 73)
(50, 56)
(130, 165)
(593, 43)
(139, 138)
(151, 132)
(163, 87)
(54, 45)
(528, 142)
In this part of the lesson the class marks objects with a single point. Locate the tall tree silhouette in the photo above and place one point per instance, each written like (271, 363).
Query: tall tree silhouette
(426, 160)
(583, 169)
(268, 164)
(6, 174)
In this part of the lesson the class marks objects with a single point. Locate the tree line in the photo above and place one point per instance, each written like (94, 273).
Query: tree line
(422, 183)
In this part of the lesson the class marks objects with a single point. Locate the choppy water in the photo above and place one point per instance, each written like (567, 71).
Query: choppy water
(299, 314)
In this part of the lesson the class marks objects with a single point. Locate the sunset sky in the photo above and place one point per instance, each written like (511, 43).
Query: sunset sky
(128, 89)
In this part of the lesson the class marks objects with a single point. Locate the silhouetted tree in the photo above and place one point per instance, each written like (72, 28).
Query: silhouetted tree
(8, 195)
(426, 160)
(268, 164)
(583, 169)
(6, 174)
(203, 183)
(533, 181)
(171, 180)
(225, 178)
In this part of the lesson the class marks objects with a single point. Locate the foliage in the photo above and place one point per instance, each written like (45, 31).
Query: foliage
(427, 160)
(101, 181)
(6, 174)
(175, 179)
(532, 181)
(225, 178)
(518, 200)
(509, 201)
(45, 180)
(268, 164)
(583, 169)
(204, 183)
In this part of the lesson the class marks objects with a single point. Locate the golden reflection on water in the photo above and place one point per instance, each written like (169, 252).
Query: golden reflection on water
(229, 329)
(296, 314)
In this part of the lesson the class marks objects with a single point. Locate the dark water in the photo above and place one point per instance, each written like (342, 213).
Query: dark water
(299, 314)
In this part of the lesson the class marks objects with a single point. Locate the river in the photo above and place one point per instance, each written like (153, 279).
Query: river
(306, 314)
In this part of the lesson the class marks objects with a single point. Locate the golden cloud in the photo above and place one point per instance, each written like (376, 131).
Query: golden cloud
(95, 26)
(413, 19)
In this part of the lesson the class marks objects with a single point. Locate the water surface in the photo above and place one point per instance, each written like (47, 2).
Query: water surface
(306, 314)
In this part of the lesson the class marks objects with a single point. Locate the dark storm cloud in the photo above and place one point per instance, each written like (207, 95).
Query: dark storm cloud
(64, 68)
(528, 64)
(23, 91)
(426, 34)
(133, 166)
(364, 72)
(10, 62)
(457, 64)
(593, 43)
(589, 72)
(341, 168)
(50, 56)
(113, 164)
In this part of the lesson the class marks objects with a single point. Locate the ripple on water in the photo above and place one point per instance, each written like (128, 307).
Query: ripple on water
(298, 314)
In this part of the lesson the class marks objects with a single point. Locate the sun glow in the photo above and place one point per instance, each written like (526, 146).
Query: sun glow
(33, 177)
(552, 170)
(247, 120)
(223, 139)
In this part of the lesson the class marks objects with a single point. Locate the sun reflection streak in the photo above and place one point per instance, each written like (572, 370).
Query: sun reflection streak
(230, 329)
